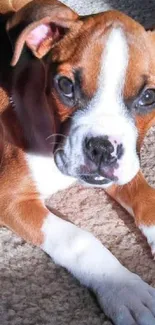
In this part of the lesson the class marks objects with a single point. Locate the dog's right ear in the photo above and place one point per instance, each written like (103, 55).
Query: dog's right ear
(39, 25)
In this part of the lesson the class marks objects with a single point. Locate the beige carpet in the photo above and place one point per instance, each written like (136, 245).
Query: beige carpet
(34, 291)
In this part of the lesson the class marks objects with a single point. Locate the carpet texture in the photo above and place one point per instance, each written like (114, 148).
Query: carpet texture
(33, 290)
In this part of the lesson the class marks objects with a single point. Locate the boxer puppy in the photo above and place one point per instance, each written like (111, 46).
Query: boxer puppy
(82, 82)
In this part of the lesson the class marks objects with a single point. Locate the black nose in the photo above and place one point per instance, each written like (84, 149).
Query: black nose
(99, 150)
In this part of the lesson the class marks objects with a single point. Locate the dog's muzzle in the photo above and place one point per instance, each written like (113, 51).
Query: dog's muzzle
(102, 158)
(99, 152)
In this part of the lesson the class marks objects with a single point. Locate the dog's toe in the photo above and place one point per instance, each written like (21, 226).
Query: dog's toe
(129, 302)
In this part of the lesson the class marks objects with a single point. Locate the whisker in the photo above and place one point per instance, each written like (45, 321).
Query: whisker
(56, 134)
(53, 143)
(58, 149)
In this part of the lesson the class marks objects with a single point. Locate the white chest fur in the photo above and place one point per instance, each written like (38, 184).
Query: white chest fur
(46, 176)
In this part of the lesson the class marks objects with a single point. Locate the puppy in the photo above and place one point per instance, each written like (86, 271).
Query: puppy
(70, 106)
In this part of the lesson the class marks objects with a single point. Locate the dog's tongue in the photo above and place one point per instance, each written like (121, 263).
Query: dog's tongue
(108, 172)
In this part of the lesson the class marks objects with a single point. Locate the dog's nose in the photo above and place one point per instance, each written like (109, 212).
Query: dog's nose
(99, 150)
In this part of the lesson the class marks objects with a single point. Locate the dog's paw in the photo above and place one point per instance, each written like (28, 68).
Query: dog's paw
(149, 233)
(129, 301)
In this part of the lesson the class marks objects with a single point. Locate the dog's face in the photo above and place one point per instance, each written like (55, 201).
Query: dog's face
(100, 77)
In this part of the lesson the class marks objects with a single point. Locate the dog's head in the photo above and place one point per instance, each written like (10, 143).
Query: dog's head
(95, 75)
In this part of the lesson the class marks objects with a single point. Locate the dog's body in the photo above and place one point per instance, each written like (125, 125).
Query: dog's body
(66, 102)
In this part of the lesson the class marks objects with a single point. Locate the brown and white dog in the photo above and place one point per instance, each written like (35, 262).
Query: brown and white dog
(79, 92)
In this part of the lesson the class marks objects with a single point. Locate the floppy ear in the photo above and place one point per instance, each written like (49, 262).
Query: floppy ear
(39, 25)
(151, 36)
(150, 29)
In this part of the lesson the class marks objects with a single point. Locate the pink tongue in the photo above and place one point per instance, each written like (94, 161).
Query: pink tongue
(107, 172)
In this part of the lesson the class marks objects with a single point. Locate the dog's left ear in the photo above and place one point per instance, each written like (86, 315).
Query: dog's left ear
(150, 29)
(39, 25)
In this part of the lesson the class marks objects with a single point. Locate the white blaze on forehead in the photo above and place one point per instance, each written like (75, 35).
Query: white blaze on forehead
(114, 62)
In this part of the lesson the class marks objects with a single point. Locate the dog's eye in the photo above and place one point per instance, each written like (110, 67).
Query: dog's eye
(66, 86)
(147, 98)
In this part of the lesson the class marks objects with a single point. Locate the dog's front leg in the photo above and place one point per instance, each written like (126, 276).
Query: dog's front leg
(138, 198)
(125, 298)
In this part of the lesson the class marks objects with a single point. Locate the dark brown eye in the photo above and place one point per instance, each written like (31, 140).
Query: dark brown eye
(147, 98)
(66, 86)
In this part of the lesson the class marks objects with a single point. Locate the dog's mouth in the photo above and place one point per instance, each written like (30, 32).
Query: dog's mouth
(101, 176)
(87, 173)
(95, 179)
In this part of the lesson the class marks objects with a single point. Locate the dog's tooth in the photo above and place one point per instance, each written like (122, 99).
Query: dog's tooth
(99, 178)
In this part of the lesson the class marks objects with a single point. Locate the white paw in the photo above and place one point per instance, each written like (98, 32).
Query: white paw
(128, 302)
(149, 233)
